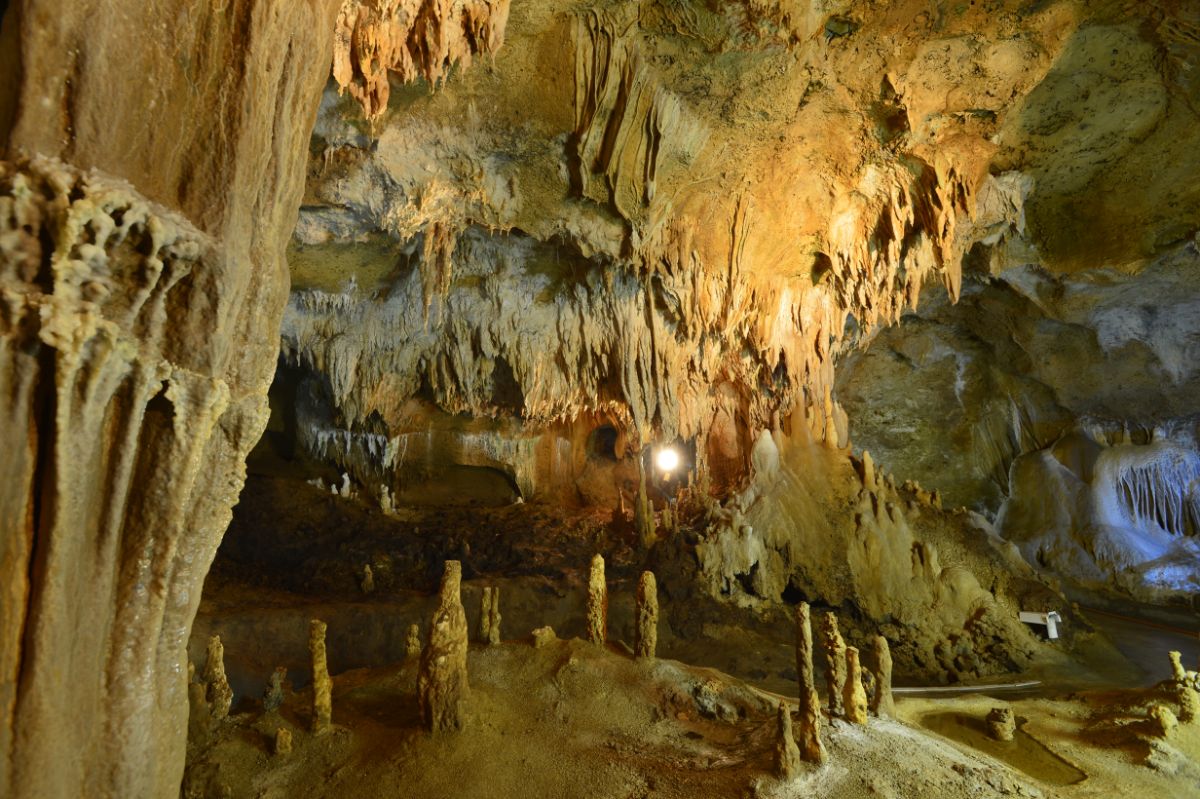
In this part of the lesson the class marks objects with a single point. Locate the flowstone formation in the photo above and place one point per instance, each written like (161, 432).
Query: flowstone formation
(146, 198)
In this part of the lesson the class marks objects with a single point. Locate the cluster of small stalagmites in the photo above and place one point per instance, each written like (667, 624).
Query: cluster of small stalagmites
(489, 617)
(442, 684)
(883, 486)
(845, 680)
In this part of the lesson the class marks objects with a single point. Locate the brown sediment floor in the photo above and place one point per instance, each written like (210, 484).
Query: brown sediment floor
(576, 720)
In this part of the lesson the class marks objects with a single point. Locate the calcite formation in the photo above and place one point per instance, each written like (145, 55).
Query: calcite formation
(646, 622)
(1178, 672)
(489, 616)
(882, 701)
(1163, 723)
(273, 698)
(787, 755)
(322, 683)
(442, 683)
(412, 642)
(146, 199)
(835, 665)
(854, 697)
(219, 694)
(1001, 724)
(411, 38)
(659, 326)
(811, 748)
(597, 602)
(283, 742)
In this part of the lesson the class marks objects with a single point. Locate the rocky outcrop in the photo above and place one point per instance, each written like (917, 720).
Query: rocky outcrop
(144, 209)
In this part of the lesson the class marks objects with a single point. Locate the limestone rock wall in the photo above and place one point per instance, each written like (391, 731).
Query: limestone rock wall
(146, 198)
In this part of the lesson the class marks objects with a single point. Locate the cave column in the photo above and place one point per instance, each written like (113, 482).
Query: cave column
(147, 195)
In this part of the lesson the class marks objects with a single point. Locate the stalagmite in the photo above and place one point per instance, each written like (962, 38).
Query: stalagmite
(199, 713)
(273, 698)
(811, 748)
(597, 607)
(868, 466)
(835, 664)
(854, 697)
(787, 755)
(1001, 724)
(283, 741)
(220, 695)
(643, 512)
(1178, 673)
(647, 616)
(322, 685)
(543, 637)
(412, 644)
(1162, 721)
(882, 703)
(489, 616)
(1189, 702)
(442, 682)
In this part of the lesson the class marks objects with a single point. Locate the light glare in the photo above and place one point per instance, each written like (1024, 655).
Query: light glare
(667, 460)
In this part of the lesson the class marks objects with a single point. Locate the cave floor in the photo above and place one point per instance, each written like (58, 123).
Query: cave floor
(570, 719)
(574, 720)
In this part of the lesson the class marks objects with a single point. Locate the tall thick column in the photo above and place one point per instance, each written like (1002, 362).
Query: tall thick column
(154, 159)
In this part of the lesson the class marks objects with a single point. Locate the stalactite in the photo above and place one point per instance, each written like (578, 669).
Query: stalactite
(412, 38)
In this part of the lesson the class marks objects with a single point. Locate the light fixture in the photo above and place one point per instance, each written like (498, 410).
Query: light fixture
(667, 460)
